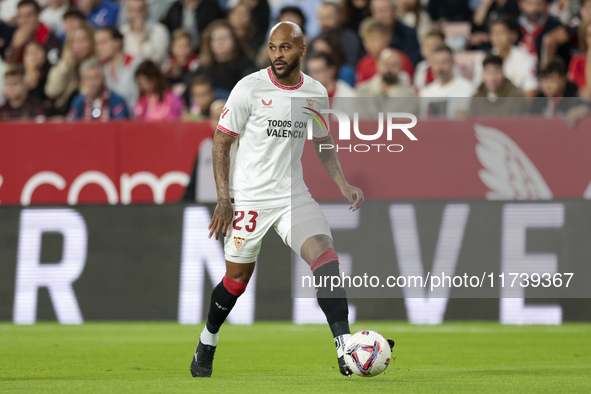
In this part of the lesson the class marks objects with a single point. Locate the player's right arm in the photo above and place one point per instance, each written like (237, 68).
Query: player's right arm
(223, 215)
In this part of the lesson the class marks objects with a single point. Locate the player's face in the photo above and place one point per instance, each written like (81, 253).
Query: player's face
(492, 76)
(533, 9)
(284, 53)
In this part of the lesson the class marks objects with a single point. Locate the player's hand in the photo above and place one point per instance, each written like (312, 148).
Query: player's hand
(222, 218)
(354, 195)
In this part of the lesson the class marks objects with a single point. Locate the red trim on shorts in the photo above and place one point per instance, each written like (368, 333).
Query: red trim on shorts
(234, 287)
(325, 258)
(280, 86)
(229, 132)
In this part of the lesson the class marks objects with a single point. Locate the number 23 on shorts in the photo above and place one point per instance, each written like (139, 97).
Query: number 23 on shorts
(251, 220)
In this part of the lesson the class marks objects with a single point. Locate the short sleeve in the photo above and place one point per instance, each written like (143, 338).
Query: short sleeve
(236, 111)
(321, 125)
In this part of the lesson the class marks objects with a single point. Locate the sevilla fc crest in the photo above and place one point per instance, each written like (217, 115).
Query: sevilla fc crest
(310, 103)
(239, 242)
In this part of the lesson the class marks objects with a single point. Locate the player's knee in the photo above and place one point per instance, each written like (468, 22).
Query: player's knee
(327, 259)
(234, 286)
(315, 246)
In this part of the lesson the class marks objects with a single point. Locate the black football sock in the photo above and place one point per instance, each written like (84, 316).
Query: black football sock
(332, 302)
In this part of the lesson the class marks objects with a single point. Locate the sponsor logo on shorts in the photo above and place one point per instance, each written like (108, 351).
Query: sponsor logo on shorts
(239, 242)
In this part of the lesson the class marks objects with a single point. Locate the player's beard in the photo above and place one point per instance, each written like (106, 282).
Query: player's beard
(289, 68)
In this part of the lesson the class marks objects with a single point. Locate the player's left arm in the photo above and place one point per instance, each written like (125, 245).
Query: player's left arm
(330, 161)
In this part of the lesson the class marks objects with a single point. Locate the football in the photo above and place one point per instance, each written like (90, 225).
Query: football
(367, 353)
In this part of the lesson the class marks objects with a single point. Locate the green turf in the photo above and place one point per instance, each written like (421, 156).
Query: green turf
(282, 357)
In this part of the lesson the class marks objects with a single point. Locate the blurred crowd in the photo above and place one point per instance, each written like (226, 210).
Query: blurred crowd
(179, 59)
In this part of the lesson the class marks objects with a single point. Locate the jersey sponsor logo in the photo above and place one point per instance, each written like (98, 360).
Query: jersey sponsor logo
(239, 242)
(268, 104)
(283, 129)
(225, 112)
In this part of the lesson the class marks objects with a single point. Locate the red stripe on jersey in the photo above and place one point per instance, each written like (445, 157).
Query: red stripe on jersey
(321, 138)
(280, 86)
(229, 132)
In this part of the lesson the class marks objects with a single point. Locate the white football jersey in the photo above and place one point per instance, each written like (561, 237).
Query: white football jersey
(265, 161)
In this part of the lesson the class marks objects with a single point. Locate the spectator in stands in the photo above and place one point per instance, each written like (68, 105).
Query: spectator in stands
(30, 28)
(449, 10)
(222, 58)
(585, 10)
(497, 95)
(518, 65)
(157, 102)
(413, 14)
(183, 60)
(488, 11)
(424, 71)
(193, 16)
(72, 20)
(566, 11)
(579, 70)
(542, 35)
(402, 37)
(119, 67)
(323, 68)
(100, 13)
(354, 11)
(6, 32)
(53, 15)
(557, 94)
(306, 7)
(63, 79)
(97, 103)
(202, 96)
(18, 103)
(260, 12)
(375, 37)
(240, 18)
(143, 38)
(446, 91)
(330, 42)
(330, 19)
(157, 10)
(387, 82)
(36, 69)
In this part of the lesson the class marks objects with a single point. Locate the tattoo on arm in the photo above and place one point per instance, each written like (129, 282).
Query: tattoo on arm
(330, 161)
(221, 164)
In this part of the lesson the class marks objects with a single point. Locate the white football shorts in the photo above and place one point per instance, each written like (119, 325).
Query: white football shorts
(294, 224)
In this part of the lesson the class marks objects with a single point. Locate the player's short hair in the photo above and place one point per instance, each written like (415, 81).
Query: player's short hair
(507, 21)
(15, 71)
(75, 14)
(444, 48)
(555, 65)
(294, 10)
(201, 80)
(328, 59)
(494, 60)
(35, 5)
(435, 32)
(113, 32)
(372, 25)
(182, 33)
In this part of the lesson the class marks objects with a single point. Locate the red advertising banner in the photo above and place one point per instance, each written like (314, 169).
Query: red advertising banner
(130, 162)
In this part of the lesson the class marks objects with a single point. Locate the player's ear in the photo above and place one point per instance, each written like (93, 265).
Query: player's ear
(303, 50)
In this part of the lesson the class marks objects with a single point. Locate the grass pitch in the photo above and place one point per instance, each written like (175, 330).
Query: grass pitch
(282, 357)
